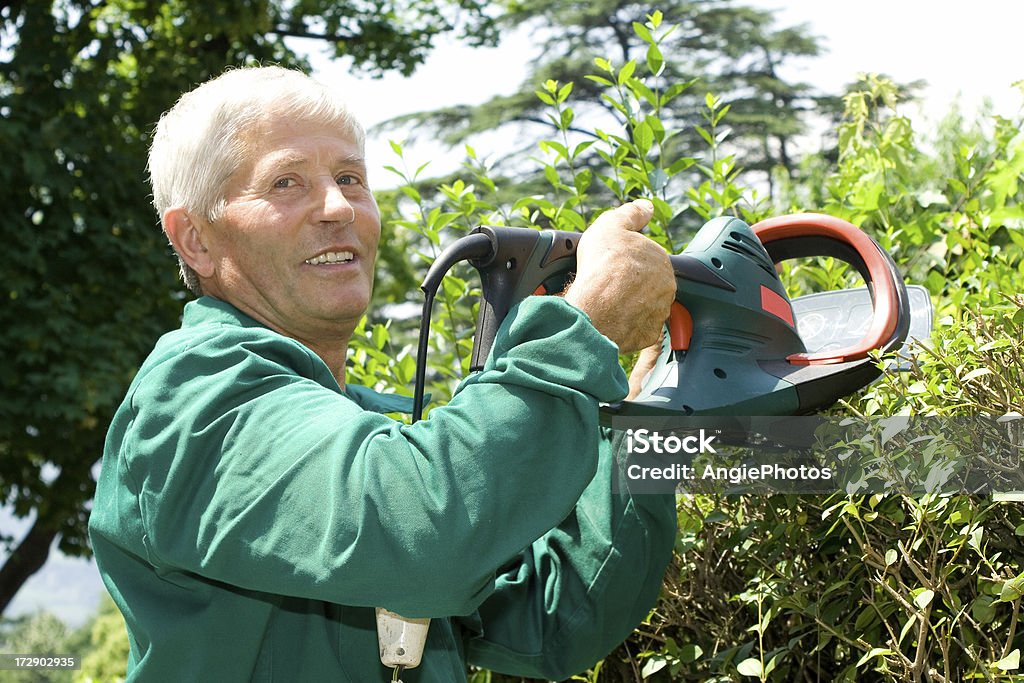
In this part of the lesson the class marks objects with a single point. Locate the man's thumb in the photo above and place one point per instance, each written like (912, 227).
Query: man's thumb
(633, 216)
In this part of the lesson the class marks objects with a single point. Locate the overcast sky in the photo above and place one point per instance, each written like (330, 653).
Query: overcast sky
(966, 50)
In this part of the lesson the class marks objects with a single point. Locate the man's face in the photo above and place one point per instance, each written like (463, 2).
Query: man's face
(296, 243)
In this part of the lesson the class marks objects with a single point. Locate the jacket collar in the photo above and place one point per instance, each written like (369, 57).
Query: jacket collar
(208, 309)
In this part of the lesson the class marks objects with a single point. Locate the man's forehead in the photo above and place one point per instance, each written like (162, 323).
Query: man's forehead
(287, 141)
(290, 156)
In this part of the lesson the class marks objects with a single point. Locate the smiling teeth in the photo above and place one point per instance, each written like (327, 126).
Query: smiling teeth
(331, 257)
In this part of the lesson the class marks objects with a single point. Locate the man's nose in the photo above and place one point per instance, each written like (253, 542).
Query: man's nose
(334, 206)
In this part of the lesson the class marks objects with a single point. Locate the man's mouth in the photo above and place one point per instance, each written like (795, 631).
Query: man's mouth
(331, 257)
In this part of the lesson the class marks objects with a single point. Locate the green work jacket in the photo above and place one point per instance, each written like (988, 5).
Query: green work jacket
(250, 513)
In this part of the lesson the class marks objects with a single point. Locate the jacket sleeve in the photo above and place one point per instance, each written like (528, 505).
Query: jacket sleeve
(246, 471)
(576, 593)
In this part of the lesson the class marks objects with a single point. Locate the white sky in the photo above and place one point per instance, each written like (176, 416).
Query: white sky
(969, 51)
(962, 49)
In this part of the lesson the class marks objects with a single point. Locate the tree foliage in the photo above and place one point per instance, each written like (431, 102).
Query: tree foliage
(105, 657)
(41, 633)
(100, 646)
(733, 51)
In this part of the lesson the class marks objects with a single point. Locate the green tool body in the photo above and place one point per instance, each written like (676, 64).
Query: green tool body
(731, 345)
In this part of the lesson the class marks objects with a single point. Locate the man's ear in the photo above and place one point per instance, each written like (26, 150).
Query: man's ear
(187, 240)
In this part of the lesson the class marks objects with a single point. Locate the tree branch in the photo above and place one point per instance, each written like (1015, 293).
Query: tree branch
(28, 558)
(573, 129)
(290, 32)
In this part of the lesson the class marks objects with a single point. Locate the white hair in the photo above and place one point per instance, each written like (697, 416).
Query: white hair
(207, 135)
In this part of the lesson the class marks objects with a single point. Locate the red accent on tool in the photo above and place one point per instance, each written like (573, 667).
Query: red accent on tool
(772, 303)
(885, 302)
(541, 290)
(680, 327)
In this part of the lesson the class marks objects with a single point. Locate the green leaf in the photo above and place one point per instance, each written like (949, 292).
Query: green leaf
(974, 374)
(659, 179)
(983, 610)
(772, 663)
(655, 61)
(618, 106)
(1005, 176)
(690, 653)
(890, 557)
(674, 91)
(891, 426)
(865, 619)
(974, 541)
(642, 32)
(1012, 590)
(750, 667)
(600, 80)
(657, 127)
(545, 98)
(643, 137)
(995, 344)
(906, 627)
(626, 72)
(563, 92)
(761, 626)
(680, 165)
(566, 118)
(1010, 662)
(653, 666)
(551, 174)
(582, 181)
(923, 597)
(638, 87)
(379, 336)
(548, 146)
(705, 135)
(582, 147)
(874, 652)
(411, 192)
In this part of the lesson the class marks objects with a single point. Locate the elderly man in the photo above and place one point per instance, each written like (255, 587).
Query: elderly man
(252, 509)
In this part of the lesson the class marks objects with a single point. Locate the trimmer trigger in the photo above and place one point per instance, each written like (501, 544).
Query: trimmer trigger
(680, 327)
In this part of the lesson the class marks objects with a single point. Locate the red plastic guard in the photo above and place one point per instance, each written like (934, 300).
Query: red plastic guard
(885, 301)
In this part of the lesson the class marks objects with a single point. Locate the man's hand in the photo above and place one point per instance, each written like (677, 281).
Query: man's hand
(624, 280)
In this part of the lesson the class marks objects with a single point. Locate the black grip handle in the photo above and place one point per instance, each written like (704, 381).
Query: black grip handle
(522, 262)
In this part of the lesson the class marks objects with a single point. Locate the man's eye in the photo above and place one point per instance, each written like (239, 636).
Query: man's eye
(282, 183)
(345, 179)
